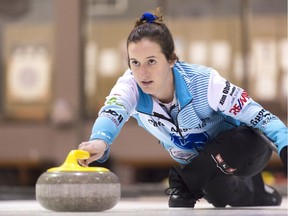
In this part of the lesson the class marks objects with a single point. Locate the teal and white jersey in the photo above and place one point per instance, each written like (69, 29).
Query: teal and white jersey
(206, 104)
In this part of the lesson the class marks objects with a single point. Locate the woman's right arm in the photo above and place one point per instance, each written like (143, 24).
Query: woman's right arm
(117, 109)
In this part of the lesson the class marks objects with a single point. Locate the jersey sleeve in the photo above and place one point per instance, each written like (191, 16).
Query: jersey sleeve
(235, 102)
(117, 109)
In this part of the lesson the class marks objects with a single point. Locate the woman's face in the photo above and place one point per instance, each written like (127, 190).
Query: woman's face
(151, 69)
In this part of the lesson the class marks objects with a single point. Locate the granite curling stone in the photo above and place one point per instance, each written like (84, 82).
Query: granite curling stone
(73, 188)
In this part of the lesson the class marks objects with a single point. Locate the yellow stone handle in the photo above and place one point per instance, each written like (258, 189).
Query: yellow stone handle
(71, 163)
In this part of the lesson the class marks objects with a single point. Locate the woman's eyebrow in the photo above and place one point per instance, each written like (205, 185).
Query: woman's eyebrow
(146, 58)
(151, 57)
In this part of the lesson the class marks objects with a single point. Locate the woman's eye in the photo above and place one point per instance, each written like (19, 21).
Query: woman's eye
(151, 61)
(135, 63)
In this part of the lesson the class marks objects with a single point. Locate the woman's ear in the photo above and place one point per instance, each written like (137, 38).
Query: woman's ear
(172, 62)
(173, 59)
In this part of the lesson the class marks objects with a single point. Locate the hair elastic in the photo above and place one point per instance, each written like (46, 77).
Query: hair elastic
(148, 17)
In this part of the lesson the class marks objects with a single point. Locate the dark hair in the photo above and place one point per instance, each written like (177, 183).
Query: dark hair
(151, 26)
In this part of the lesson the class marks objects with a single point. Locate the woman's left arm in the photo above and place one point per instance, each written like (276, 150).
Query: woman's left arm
(235, 102)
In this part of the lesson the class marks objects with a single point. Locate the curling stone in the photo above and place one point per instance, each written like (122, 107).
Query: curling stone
(73, 188)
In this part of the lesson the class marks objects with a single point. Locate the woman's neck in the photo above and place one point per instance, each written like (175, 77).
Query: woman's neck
(168, 95)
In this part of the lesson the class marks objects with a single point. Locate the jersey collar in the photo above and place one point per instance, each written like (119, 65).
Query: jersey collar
(183, 95)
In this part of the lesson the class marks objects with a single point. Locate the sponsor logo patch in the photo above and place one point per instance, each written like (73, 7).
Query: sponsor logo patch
(240, 103)
(179, 154)
(225, 92)
(190, 141)
(113, 100)
(114, 116)
(260, 116)
(222, 165)
(155, 123)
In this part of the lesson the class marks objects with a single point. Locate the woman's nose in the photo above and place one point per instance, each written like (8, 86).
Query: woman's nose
(143, 71)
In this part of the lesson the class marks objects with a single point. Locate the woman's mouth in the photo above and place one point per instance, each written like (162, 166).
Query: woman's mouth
(146, 83)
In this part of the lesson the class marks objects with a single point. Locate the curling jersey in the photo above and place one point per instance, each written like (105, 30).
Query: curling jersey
(205, 105)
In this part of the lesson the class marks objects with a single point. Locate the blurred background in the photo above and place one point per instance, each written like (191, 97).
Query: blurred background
(60, 58)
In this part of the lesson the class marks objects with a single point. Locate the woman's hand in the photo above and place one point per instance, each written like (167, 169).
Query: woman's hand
(96, 148)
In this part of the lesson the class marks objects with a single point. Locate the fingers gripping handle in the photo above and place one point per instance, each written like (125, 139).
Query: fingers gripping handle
(71, 163)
